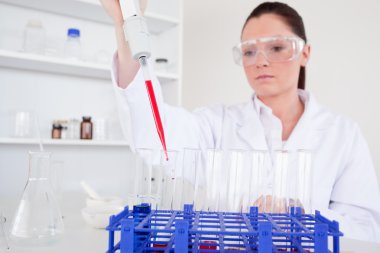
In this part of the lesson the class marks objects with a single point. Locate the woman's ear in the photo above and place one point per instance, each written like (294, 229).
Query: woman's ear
(305, 55)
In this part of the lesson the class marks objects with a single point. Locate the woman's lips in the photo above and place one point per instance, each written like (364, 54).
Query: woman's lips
(264, 77)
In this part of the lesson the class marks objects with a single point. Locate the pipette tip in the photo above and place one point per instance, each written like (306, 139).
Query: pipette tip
(166, 155)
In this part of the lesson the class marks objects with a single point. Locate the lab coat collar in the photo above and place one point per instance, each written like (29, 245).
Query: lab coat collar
(305, 135)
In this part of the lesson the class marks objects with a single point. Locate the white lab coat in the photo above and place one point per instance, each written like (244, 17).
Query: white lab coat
(345, 184)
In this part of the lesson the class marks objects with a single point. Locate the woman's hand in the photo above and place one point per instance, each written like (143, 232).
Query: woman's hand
(265, 204)
(113, 9)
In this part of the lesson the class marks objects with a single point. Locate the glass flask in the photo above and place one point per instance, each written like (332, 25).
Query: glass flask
(38, 220)
(4, 246)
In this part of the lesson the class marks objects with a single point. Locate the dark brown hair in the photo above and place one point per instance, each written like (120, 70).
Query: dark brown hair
(291, 18)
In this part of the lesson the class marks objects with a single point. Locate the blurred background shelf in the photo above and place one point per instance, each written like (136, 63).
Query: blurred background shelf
(25, 61)
(92, 10)
(60, 142)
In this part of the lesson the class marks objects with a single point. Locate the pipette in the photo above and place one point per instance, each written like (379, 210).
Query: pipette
(153, 104)
(137, 35)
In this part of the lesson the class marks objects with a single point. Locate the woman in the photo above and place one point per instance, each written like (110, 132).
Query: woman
(280, 115)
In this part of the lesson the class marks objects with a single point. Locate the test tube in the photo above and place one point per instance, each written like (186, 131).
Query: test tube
(193, 188)
(280, 182)
(304, 183)
(215, 179)
(238, 180)
(171, 194)
(143, 184)
(259, 180)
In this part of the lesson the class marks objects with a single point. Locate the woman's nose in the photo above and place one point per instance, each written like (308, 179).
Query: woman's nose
(260, 59)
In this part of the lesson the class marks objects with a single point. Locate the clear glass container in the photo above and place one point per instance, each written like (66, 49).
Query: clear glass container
(74, 129)
(34, 37)
(259, 181)
(73, 48)
(193, 180)
(161, 64)
(38, 220)
(280, 196)
(172, 182)
(216, 181)
(4, 245)
(304, 181)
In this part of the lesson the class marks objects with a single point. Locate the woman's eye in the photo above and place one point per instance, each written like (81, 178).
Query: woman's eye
(248, 53)
(277, 48)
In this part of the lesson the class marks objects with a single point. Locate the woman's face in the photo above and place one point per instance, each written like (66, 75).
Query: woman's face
(266, 78)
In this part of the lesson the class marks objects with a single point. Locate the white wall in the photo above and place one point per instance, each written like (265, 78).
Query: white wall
(342, 73)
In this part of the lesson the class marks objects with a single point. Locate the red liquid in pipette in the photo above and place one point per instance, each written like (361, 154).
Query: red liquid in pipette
(156, 115)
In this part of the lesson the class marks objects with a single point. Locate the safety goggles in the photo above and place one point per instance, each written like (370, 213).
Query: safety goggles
(274, 49)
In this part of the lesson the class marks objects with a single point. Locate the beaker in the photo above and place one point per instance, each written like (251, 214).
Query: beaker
(38, 219)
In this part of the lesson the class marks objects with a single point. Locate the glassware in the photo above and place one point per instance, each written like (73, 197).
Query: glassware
(304, 181)
(38, 219)
(148, 177)
(161, 64)
(86, 128)
(23, 124)
(74, 129)
(238, 180)
(34, 37)
(73, 45)
(4, 246)
(100, 129)
(172, 182)
(56, 131)
(216, 181)
(280, 182)
(143, 175)
(193, 186)
(259, 181)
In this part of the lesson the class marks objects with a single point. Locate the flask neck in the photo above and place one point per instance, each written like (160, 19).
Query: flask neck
(39, 164)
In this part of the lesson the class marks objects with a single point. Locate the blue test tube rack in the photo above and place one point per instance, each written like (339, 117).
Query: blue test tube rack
(146, 230)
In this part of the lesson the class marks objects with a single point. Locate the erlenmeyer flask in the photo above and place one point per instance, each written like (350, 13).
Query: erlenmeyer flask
(4, 246)
(38, 220)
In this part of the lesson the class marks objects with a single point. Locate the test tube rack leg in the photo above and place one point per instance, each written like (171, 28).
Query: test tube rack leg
(193, 231)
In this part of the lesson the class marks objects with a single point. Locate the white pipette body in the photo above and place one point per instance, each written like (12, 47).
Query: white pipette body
(135, 29)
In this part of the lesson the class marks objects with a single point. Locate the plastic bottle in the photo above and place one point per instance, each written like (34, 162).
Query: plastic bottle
(73, 48)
